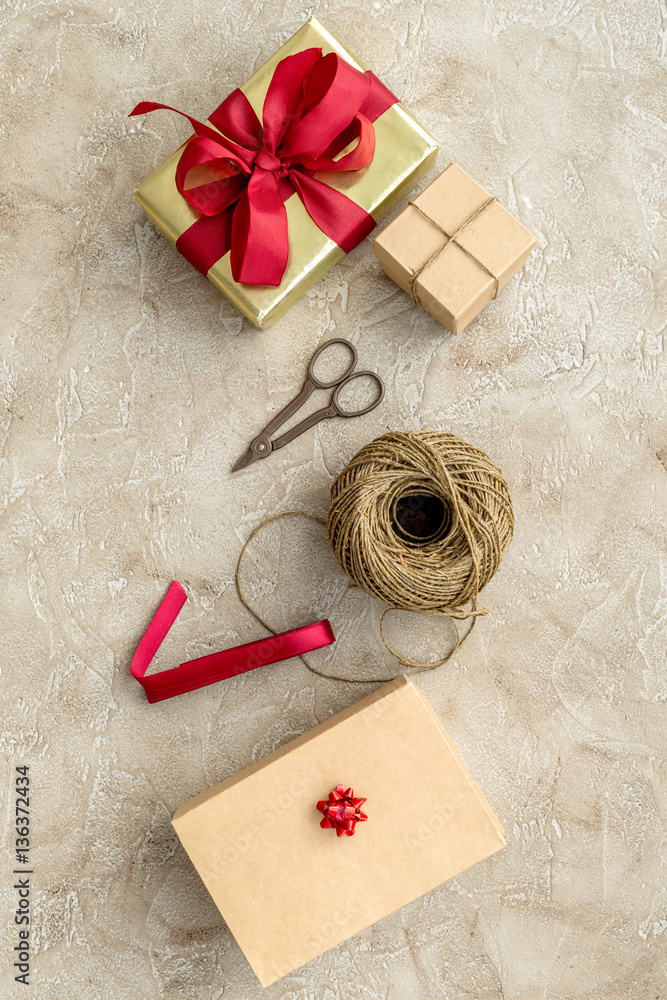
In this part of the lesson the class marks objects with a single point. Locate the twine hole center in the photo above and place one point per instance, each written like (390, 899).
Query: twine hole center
(419, 518)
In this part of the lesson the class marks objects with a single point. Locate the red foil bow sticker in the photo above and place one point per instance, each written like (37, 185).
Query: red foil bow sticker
(342, 811)
(239, 173)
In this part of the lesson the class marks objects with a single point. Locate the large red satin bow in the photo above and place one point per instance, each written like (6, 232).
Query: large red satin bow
(314, 107)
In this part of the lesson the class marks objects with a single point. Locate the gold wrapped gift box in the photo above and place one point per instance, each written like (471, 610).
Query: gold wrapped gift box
(290, 890)
(404, 151)
(453, 248)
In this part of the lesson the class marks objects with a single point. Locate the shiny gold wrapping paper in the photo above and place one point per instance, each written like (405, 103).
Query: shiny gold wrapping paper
(404, 151)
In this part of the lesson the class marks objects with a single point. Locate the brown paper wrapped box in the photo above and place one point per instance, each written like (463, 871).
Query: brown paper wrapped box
(289, 890)
(453, 248)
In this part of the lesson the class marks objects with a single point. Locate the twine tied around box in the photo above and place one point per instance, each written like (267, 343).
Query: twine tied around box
(450, 239)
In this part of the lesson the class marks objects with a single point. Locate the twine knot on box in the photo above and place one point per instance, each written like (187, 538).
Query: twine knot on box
(451, 239)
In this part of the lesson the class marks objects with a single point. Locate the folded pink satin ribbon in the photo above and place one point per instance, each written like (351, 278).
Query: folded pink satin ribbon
(205, 670)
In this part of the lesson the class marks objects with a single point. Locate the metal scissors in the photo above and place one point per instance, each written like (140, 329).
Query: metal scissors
(262, 446)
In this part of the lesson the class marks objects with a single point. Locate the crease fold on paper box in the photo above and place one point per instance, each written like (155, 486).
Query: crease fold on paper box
(289, 890)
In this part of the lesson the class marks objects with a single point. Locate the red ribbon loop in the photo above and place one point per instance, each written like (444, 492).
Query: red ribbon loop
(205, 670)
(239, 177)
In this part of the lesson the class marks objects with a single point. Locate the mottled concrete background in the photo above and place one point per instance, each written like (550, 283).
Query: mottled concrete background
(130, 389)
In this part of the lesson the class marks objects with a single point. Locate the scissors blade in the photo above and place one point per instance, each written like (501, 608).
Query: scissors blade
(260, 447)
(246, 459)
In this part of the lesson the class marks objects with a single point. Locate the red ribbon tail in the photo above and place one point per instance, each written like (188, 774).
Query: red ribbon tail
(144, 107)
(260, 244)
(343, 221)
(153, 637)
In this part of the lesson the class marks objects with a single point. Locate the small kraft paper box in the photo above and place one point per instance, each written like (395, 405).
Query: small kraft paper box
(290, 890)
(403, 152)
(453, 248)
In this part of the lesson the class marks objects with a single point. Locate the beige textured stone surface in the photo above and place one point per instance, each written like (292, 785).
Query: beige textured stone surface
(130, 390)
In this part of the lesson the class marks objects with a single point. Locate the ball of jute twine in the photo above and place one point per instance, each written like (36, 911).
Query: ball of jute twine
(438, 575)
(433, 576)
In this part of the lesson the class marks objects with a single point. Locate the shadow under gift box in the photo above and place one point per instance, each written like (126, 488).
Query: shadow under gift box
(290, 890)
(404, 152)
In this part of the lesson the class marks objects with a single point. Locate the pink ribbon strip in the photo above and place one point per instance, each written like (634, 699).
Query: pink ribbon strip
(205, 670)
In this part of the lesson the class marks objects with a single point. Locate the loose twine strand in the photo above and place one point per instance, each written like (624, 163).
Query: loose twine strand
(450, 239)
(438, 576)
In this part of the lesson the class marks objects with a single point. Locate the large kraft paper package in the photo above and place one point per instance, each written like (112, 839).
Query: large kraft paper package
(290, 890)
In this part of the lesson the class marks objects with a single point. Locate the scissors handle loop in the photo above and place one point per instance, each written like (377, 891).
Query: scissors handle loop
(320, 383)
(338, 407)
